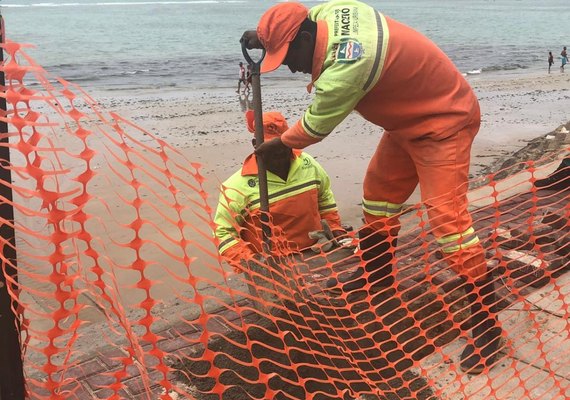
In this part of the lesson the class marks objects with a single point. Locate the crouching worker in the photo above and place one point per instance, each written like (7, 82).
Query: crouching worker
(300, 197)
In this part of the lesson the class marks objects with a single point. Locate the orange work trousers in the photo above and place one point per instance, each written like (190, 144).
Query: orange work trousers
(441, 167)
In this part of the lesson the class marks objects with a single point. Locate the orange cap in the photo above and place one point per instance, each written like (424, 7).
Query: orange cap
(274, 124)
(276, 29)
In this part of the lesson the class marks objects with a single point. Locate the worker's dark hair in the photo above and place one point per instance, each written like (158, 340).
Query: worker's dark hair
(306, 26)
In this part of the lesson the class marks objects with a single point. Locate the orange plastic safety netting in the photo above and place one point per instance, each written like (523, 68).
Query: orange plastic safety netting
(120, 292)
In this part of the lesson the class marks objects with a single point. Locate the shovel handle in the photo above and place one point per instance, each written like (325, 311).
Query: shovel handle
(248, 57)
(261, 170)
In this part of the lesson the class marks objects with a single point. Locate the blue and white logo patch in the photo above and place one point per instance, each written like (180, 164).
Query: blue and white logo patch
(349, 50)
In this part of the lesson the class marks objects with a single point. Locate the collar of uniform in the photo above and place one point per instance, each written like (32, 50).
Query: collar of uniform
(249, 166)
(321, 43)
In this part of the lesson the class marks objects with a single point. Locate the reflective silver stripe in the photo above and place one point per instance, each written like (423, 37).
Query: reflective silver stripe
(456, 247)
(382, 208)
(225, 243)
(327, 207)
(456, 236)
(288, 190)
(312, 131)
(379, 47)
(458, 241)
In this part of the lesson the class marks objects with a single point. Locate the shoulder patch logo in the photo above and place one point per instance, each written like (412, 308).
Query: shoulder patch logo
(348, 51)
(251, 182)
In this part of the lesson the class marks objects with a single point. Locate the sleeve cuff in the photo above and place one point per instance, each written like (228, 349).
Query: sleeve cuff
(296, 137)
(333, 219)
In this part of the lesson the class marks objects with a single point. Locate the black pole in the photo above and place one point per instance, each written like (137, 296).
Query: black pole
(11, 368)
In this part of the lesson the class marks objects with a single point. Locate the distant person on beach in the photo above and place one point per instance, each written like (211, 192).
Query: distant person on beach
(248, 79)
(564, 58)
(550, 60)
(359, 59)
(241, 78)
(300, 196)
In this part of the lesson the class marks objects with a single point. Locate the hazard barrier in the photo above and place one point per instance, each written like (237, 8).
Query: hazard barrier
(120, 291)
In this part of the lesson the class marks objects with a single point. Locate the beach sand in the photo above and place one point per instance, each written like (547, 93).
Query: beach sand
(207, 127)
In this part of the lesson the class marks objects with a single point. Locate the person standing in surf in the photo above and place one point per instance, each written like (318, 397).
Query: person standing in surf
(550, 60)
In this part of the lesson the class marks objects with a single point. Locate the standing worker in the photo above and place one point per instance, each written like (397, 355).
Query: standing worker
(396, 78)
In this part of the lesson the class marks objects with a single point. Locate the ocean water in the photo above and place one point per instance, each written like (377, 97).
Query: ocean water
(187, 44)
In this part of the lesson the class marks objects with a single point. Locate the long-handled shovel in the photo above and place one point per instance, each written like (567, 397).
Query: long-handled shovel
(260, 271)
(262, 172)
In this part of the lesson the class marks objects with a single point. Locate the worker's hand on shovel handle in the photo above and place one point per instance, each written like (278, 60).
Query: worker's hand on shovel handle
(270, 148)
(251, 40)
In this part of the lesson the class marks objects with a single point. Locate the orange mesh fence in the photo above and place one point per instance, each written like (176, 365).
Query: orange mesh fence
(121, 293)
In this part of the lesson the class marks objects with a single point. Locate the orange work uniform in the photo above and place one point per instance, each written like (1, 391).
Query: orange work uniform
(297, 206)
(398, 79)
